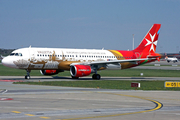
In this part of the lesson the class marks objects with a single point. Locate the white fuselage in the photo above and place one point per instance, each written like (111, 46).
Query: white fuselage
(49, 58)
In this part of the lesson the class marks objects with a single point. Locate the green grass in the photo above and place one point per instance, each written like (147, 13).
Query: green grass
(5, 71)
(106, 84)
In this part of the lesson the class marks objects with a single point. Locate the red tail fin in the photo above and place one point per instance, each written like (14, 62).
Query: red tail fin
(148, 44)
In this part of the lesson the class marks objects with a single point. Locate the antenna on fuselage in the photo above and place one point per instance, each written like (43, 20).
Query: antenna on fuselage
(30, 46)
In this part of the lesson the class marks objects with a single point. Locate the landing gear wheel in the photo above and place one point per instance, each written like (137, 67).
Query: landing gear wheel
(74, 77)
(27, 77)
(96, 76)
(28, 74)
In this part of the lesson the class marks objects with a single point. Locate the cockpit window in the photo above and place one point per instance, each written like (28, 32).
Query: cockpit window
(12, 54)
(16, 54)
(20, 54)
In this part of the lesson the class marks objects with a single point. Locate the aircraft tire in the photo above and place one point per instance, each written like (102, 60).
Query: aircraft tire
(27, 77)
(75, 77)
(96, 76)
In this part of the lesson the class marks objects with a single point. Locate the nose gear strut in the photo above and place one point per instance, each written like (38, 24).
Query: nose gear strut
(28, 74)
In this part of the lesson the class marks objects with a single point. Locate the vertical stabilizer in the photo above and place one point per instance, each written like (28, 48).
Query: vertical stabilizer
(149, 42)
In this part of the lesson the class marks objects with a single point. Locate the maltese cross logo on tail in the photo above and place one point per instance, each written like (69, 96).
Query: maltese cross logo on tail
(151, 42)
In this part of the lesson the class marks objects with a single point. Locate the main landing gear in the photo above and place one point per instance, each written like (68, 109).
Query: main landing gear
(75, 77)
(96, 76)
(28, 74)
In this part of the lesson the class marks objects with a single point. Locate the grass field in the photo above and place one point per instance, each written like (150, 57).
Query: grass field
(107, 84)
(5, 71)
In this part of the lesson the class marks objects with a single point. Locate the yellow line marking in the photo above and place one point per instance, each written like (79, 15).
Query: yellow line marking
(158, 106)
(29, 114)
(16, 112)
(45, 117)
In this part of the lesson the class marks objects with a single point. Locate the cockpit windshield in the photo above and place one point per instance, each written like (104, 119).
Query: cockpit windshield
(16, 54)
(12, 54)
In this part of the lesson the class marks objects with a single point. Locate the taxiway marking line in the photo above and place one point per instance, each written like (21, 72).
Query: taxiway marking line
(16, 112)
(158, 106)
(3, 91)
(45, 117)
(29, 114)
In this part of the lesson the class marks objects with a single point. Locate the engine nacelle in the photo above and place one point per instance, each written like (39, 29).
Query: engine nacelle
(80, 70)
(50, 72)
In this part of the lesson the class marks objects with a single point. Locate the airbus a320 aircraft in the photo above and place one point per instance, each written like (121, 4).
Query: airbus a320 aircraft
(83, 62)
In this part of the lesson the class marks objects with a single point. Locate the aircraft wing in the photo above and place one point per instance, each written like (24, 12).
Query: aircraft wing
(117, 61)
(112, 62)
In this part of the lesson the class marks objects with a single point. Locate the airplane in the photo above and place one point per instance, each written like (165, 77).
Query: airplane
(169, 59)
(83, 62)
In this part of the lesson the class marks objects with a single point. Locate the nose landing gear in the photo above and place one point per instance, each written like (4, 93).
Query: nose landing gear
(28, 74)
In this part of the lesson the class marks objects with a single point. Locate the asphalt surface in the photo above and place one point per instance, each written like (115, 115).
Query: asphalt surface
(20, 102)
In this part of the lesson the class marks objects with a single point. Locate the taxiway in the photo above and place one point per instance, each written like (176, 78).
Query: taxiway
(69, 103)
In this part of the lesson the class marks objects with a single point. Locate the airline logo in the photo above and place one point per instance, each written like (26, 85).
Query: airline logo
(151, 42)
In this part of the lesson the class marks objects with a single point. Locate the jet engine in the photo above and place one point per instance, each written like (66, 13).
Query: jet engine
(50, 72)
(80, 70)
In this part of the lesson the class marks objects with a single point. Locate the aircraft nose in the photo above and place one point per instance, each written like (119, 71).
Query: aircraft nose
(8, 62)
